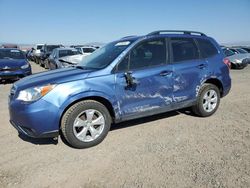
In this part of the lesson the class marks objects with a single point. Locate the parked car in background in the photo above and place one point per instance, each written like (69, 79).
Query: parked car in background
(53, 60)
(46, 50)
(10, 46)
(13, 64)
(37, 52)
(247, 49)
(74, 46)
(238, 61)
(239, 51)
(126, 79)
(30, 54)
(72, 59)
(86, 50)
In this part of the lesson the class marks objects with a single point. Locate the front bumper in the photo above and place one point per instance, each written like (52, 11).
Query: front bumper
(240, 65)
(38, 119)
(15, 75)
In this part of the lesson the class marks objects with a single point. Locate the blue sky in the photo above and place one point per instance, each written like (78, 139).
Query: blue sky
(79, 21)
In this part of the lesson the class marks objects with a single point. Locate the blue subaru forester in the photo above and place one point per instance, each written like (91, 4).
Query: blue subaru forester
(130, 78)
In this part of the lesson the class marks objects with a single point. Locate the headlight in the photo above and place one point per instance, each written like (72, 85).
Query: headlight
(237, 61)
(25, 66)
(35, 93)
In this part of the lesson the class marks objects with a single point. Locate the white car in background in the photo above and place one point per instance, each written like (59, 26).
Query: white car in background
(86, 50)
(37, 52)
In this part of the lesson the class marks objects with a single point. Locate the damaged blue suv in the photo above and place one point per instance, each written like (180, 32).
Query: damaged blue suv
(126, 79)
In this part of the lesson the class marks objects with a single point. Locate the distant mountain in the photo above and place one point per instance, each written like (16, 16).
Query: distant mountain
(242, 43)
(95, 43)
(28, 46)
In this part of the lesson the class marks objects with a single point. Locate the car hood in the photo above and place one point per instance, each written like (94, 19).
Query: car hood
(238, 57)
(12, 63)
(52, 77)
(74, 59)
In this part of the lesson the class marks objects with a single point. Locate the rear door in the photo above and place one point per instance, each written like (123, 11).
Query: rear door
(151, 90)
(188, 70)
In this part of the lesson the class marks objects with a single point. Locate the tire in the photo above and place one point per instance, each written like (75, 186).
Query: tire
(46, 66)
(78, 127)
(41, 63)
(202, 107)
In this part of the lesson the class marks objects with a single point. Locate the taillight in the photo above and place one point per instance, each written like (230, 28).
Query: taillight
(227, 62)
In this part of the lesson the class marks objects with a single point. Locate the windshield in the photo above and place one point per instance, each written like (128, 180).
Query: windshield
(39, 47)
(52, 47)
(102, 57)
(228, 52)
(88, 50)
(63, 53)
(242, 51)
(11, 54)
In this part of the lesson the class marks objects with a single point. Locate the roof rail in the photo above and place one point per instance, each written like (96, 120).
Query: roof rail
(175, 31)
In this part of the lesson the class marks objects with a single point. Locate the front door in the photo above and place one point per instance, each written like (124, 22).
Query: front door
(144, 80)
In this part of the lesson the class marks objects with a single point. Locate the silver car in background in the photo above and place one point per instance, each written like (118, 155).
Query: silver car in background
(60, 57)
(238, 61)
(240, 51)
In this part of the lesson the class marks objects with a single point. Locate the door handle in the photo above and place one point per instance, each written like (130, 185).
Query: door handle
(165, 73)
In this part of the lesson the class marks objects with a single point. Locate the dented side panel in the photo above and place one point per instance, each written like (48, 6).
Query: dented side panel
(152, 92)
(187, 78)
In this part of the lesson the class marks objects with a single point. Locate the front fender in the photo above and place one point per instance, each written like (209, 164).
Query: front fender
(92, 94)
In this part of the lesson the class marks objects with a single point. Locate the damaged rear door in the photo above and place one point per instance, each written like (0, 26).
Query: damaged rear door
(189, 70)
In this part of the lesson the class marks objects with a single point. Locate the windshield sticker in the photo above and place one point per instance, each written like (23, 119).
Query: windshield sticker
(125, 43)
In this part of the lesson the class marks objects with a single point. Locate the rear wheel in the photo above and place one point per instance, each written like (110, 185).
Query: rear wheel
(208, 100)
(85, 124)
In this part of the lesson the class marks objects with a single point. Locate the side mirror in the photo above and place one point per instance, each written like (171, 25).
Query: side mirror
(131, 81)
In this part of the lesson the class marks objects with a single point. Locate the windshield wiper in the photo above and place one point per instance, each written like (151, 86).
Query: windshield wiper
(79, 67)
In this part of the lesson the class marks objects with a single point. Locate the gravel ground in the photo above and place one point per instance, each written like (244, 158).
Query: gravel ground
(174, 149)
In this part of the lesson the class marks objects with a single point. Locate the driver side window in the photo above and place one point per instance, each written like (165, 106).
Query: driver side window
(123, 65)
(146, 54)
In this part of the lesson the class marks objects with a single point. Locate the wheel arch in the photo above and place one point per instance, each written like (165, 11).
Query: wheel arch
(107, 103)
(217, 83)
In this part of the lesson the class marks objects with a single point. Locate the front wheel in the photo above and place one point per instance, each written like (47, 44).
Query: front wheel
(208, 100)
(85, 124)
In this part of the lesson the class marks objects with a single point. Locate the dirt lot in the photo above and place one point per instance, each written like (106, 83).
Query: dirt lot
(169, 150)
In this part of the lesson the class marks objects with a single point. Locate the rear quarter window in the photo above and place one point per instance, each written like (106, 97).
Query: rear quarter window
(207, 49)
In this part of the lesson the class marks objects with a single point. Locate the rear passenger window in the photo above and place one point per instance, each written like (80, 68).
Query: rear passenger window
(207, 48)
(184, 49)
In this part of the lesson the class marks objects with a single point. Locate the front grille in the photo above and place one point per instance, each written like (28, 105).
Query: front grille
(9, 69)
